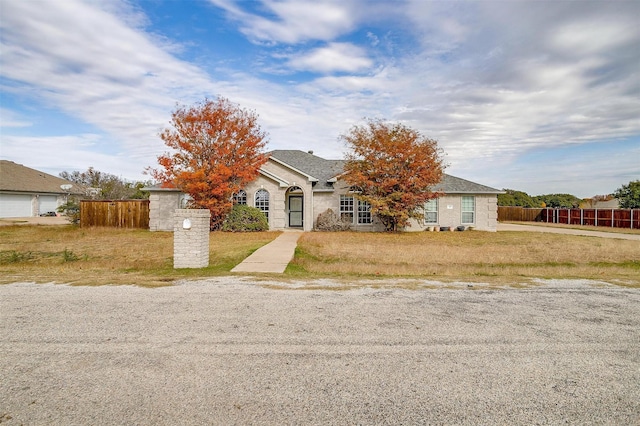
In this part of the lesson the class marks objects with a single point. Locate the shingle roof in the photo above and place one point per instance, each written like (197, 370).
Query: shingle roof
(455, 185)
(18, 178)
(310, 164)
(323, 170)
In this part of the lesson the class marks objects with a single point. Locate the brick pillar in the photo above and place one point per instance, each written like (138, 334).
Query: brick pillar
(191, 238)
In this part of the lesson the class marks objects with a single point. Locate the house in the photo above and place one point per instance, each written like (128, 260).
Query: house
(294, 187)
(26, 192)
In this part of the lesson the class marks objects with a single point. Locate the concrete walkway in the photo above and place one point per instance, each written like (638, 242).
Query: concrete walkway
(274, 257)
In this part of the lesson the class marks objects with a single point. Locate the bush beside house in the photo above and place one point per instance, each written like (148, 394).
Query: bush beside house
(245, 219)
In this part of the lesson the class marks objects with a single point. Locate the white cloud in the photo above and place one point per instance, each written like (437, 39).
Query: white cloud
(492, 81)
(335, 57)
(87, 62)
(373, 39)
(295, 20)
(54, 154)
(496, 79)
(10, 118)
(579, 38)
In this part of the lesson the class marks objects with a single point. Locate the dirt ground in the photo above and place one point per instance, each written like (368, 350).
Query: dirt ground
(44, 220)
(239, 351)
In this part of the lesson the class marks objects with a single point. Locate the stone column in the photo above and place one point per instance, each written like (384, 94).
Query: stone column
(191, 238)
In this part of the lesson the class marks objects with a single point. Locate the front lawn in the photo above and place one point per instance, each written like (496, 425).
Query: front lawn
(95, 256)
(468, 256)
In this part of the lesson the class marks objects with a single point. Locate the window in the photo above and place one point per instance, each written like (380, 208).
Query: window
(431, 211)
(364, 213)
(184, 201)
(262, 202)
(240, 198)
(468, 209)
(346, 208)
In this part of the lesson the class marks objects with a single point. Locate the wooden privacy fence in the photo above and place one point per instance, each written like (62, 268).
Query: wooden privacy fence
(519, 214)
(613, 218)
(116, 214)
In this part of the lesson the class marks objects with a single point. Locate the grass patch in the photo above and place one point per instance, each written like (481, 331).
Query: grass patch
(496, 257)
(97, 256)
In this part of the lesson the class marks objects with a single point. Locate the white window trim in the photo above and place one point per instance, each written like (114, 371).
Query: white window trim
(437, 213)
(240, 197)
(262, 207)
(462, 211)
(344, 211)
(364, 211)
(356, 210)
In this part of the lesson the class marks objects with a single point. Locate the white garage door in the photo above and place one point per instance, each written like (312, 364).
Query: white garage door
(48, 203)
(15, 205)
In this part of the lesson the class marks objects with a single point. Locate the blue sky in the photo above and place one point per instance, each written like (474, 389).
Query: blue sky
(539, 96)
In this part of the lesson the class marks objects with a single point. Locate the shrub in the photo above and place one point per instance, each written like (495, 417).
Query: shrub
(71, 209)
(69, 256)
(245, 219)
(329, 221)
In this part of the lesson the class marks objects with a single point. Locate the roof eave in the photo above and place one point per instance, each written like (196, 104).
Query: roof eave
(282, 163)
(281, 182)
(471, 192)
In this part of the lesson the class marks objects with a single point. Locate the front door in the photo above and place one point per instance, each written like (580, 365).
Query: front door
(295, 211)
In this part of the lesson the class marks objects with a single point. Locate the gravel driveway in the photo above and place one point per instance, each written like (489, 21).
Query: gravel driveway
(232, 351)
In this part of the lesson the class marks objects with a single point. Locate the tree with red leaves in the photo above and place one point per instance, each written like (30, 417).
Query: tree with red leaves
(393, 168)
(217, 149)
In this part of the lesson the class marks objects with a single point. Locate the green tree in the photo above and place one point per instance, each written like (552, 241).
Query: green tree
(629, 195)
(566, 201)
(394, 168)
(516, 198)
(106, 186)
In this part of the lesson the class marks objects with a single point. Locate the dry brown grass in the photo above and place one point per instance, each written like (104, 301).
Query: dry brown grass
(95, 256)
(468, 256)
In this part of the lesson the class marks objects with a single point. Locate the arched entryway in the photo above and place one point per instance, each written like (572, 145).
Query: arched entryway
(295, 207)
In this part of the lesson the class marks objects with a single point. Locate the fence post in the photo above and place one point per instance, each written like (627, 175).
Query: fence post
(612, 218)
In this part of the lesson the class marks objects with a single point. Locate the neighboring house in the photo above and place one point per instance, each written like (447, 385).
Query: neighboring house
(294, 187)
(608, 204)
(26, 192)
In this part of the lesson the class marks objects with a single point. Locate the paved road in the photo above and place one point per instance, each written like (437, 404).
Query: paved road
(234, 351)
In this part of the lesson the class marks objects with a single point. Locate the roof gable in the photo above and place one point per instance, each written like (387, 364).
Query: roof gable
(18, 178)
(316, 168)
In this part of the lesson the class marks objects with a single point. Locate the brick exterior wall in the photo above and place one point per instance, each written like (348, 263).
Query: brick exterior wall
(278, 203)
(191, 246)
(162, 205)
(450, 213)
